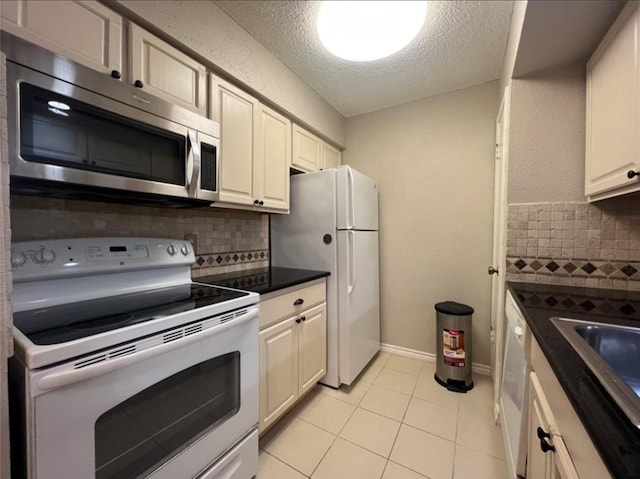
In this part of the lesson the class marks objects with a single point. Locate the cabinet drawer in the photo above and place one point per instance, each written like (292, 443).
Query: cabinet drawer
(281, 304)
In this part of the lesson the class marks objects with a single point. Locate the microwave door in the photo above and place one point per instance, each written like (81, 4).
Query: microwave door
(87, 140)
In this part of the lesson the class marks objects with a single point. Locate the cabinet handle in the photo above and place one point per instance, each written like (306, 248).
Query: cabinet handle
(261, 203)
(546, 447)
(304, 318)
(542, 434)
(632, 174)
(116, 74)
(298, 302)
(256, 202)
(138, 84)
(298, 320)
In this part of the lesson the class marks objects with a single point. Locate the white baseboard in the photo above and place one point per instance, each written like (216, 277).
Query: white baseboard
(482, 369)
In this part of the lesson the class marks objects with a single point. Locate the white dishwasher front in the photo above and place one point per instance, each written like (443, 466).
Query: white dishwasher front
(513, 399)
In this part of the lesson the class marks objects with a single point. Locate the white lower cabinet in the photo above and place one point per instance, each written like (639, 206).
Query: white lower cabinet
(558, 446)
(293, 348)
(547, 455)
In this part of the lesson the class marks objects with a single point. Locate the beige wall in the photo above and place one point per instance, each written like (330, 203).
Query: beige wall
(433, 161)
(547, 135)
(204, 28)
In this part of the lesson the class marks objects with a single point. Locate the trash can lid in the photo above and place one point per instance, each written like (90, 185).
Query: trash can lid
(453, 308)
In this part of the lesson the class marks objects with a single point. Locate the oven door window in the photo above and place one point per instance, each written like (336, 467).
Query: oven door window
(58, 130)
(141, 433)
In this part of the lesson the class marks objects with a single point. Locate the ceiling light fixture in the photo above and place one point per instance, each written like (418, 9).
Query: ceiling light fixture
(369, 30)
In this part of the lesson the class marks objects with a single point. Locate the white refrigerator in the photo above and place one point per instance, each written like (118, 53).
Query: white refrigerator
(333, 226)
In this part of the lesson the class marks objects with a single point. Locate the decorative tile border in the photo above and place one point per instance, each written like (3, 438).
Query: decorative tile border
(575, 244)
(591, 305)
(228, 258)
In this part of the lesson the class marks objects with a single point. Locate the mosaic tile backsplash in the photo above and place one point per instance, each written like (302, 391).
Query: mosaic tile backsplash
(575, 244)
(227, 240)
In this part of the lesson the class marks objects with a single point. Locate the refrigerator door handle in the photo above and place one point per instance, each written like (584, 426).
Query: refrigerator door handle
(352, 263)
(352, 203)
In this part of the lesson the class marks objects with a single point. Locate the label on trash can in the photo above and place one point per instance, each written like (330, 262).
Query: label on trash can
(453, 347)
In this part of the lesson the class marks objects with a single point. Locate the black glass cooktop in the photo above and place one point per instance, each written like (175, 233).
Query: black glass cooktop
(67, 322)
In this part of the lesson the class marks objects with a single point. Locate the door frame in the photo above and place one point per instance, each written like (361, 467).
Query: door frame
(499, 247)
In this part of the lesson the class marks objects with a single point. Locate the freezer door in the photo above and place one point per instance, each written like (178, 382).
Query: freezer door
(357, 200)
(358, 301)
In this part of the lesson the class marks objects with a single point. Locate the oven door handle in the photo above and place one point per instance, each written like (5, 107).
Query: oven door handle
(64, 378)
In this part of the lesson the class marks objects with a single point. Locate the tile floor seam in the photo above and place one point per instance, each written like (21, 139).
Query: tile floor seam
(341, 400)
(322, 458)
(286, 464)
(383, 417)
(408, 468)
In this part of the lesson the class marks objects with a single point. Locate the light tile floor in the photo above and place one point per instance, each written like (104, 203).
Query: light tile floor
(395, 422)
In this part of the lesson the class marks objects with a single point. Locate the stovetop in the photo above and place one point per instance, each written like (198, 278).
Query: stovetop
(68, 322)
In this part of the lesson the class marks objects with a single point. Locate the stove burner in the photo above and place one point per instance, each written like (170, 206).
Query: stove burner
(101, 323)
(71, 321)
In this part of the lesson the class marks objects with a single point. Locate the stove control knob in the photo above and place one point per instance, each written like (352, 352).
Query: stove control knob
(44, 256)
(18, 260)
(184, 250)
(171, 249)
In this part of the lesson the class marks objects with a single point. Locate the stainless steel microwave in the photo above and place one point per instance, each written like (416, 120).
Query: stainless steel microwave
(75, 132)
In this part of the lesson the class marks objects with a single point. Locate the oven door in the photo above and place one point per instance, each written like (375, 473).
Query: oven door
(168, 411)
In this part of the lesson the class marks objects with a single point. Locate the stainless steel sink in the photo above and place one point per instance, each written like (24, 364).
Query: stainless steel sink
(613, 355)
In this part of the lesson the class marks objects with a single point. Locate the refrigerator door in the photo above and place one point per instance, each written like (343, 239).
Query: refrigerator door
(306, 238)
(357, 200)
(358, 303)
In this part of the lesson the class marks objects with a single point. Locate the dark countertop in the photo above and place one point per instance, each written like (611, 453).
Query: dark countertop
(613, 435)
(263, 280)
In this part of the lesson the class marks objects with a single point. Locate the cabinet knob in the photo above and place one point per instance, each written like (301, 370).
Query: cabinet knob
(546, 447)
(116, 74)
(304, 318)
(261, 203)
(256, 202)
(632, 174)
(542, 434)
(298, 320)
(138, 84)
(298, 302)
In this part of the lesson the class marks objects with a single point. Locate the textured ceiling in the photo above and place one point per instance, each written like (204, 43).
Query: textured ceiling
(461, 44)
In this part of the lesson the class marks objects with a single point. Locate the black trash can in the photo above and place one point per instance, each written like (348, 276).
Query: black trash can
(453, 346)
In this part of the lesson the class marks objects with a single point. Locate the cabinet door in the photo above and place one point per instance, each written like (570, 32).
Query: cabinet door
(273, 159)
(552, 464)
(278, 370)
(165, 71)
(331, 157)
(238, 113)
(539, 463)
(84, 31)
(313, 347)
(613, 110)
(306, 150)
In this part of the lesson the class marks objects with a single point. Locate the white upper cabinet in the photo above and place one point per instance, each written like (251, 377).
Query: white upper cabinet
(311, 154)
(84, 31)
(255, 150)
(273, 158)
(331, 158)
(613, 110)
(307, 150)
(237, 113)
(165, 71)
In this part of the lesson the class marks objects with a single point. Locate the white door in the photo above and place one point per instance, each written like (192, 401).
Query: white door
(313, 347)
(357, 199)
(358, 301)
(499, 258)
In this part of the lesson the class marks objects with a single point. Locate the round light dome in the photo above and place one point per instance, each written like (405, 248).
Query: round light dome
(369, 30)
